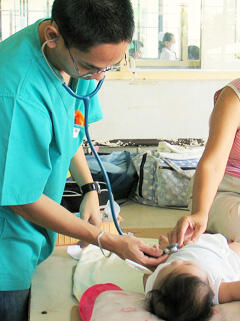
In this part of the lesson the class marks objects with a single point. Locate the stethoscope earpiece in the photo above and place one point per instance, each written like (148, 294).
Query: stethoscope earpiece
(54, 39)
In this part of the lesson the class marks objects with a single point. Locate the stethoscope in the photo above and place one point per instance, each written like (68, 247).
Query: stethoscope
(86, 102)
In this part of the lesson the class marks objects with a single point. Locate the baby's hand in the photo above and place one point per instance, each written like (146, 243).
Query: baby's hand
(163, 242)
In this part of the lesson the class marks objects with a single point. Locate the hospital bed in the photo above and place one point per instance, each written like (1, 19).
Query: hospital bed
(52, 287)
(52, 299)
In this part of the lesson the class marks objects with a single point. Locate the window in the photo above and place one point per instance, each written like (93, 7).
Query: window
(206, 33)
(167, 33)
(16, 15)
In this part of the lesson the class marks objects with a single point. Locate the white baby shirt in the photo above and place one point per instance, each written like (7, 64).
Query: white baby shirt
(212, 253)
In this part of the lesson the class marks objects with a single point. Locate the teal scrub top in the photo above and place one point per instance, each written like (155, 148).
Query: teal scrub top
(37, 145)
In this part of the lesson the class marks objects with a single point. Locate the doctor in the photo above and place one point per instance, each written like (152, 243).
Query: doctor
(39, 141)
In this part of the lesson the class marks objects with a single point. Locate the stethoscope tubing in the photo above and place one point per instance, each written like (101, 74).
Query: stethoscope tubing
(81, 97)
(86, 101)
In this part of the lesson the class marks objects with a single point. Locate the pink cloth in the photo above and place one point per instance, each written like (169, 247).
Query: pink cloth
(233, 164)
(88, 298)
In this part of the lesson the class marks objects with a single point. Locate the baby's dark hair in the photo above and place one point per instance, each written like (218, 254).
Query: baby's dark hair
(182, 297)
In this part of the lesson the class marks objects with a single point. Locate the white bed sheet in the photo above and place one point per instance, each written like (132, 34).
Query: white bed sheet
(93, 268)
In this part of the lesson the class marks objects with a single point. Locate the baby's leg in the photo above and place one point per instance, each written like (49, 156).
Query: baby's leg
(235, 246)
(163, 242)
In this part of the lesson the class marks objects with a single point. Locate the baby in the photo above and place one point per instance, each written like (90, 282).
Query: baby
(193, 279)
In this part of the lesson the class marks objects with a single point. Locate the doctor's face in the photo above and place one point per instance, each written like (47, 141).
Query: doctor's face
(93, 63)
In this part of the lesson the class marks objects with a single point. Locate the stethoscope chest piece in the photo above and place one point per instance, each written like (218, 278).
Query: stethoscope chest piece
(171, 249)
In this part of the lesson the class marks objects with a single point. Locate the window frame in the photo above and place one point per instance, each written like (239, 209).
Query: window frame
(183, 62)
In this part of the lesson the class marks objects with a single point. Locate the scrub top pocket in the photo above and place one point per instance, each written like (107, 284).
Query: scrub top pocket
(77, 130)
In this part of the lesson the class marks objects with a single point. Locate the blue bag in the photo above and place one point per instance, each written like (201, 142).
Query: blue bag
(120, 170)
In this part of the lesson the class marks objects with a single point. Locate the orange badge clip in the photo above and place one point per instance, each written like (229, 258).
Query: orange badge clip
(79, 118)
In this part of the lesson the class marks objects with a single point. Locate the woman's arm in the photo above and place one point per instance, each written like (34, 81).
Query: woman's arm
(225, 120)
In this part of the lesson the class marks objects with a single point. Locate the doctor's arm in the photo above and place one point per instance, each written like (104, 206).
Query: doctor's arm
(49, 214)
(80, 171)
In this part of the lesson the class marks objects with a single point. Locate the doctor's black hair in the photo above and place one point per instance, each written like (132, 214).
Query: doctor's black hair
(181, 297)
(84, 24)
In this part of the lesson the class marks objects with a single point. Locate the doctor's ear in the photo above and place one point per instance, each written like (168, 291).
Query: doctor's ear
(51, 36)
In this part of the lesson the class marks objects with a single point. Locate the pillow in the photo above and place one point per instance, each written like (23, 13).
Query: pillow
(89, 297)
(120, 305)
(112, 305)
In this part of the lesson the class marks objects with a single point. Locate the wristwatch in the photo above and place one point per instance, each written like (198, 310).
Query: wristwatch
(94, 186)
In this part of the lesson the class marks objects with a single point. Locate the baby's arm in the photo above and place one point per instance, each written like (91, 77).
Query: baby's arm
(235, 246)
(163, 242)
(229, 291)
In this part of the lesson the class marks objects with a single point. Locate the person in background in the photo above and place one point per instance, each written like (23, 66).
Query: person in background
(166, 47)
(194, 279)
(193, 53)
(41, 139)
(135, 49)
(214, 198)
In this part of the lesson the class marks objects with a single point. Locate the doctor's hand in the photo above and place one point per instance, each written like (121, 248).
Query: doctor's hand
(90, 210)
(188, 229)
(130, 247)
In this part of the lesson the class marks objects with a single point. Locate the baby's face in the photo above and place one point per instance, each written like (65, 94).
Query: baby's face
(179, 267)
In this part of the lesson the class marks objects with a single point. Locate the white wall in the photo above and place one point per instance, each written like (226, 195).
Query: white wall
(174, 108)
(220, 35)
(155, 109)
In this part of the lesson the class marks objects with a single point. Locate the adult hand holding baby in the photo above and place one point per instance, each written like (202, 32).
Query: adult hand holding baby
(188, 229)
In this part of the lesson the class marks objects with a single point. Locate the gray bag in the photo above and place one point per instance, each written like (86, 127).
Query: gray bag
(163, 181)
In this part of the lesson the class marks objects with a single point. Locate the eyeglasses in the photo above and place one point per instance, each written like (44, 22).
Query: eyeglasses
(85, 65)
(90, 74)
